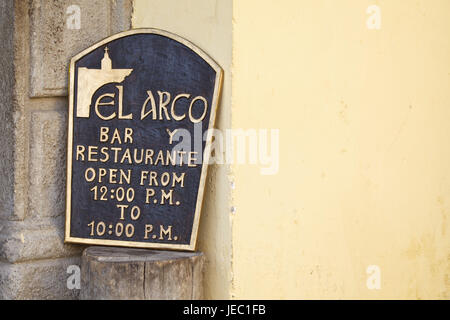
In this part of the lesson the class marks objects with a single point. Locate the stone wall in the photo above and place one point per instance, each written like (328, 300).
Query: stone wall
(38, 38)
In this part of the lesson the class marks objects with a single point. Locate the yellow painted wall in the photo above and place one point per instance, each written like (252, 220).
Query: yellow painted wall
(364, 120)
(207, 23)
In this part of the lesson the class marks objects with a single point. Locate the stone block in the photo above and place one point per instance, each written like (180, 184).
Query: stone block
(61, 29)
(6, 108)
(45, 279)
(22, 241)
(47, 172)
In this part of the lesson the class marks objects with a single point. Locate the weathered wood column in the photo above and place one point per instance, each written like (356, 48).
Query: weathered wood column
(124, 273)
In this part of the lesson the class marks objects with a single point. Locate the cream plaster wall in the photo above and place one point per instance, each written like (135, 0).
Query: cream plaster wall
(364, 120)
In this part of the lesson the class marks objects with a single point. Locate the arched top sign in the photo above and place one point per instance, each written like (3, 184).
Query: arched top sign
(149, 31)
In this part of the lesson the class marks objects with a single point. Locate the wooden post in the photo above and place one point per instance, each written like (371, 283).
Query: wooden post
(125, 273)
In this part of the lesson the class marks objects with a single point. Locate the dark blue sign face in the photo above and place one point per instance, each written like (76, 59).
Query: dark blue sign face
(141, 103)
